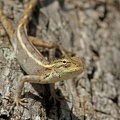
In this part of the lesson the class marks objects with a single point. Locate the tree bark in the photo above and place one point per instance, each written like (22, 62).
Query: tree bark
(88, 28)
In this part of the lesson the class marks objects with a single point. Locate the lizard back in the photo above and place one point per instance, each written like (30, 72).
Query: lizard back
(29, 58)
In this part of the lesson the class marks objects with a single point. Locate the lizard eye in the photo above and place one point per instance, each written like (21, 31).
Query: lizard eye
(64, 61)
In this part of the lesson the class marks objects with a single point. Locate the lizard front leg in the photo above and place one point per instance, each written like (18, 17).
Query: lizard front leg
(54, 96)
(17, 100)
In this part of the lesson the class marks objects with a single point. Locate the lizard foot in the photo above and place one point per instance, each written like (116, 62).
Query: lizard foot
(56, 98)
(17, 102)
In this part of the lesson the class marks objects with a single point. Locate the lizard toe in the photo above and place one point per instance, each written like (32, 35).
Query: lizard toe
(17, 102)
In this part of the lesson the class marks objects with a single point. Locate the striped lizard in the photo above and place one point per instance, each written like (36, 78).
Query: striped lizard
(38, 69)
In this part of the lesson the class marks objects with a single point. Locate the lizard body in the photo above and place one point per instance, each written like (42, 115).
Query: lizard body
(39, 70)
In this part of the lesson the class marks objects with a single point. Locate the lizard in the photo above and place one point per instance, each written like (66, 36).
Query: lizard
(38, 69)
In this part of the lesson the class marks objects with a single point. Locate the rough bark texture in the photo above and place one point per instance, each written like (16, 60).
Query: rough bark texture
(89, 28)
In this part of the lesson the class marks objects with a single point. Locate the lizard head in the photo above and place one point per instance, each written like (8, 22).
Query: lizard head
(69, 67)
(63, 69)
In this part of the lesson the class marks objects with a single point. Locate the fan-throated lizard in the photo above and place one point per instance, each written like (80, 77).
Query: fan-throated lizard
(39, 70)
